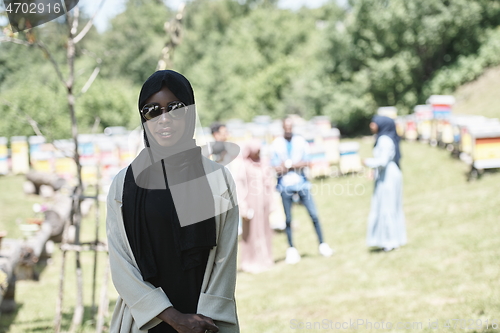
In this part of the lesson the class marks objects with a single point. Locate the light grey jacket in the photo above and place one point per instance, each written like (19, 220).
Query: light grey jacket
(139, 302)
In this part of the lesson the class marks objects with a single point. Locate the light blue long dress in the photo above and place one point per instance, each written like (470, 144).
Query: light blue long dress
(386, 222)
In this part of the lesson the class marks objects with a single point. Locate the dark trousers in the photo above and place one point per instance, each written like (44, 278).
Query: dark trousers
(307, 200)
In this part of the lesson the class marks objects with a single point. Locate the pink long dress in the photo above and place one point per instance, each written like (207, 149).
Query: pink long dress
(255, 184)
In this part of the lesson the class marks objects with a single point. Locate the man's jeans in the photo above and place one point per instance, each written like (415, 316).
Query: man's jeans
(307, 200)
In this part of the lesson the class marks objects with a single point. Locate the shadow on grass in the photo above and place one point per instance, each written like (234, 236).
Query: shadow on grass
(302, 256)
(378, 250)
(47, 325)
(89, 318)
(6, 319)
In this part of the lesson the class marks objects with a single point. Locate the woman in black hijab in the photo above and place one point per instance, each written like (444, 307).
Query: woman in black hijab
(386, 222)
(172, 224)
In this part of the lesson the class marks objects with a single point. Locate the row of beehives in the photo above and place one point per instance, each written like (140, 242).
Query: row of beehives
(475, 139)
(327, 154)
(101, 156)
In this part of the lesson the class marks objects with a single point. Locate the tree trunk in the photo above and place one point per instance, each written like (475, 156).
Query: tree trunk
(10, 254)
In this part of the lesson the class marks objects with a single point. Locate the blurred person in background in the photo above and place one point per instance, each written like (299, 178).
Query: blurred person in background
(255, 186)
(172, 224)
(219, 132)
(290, 157)
(386, 222)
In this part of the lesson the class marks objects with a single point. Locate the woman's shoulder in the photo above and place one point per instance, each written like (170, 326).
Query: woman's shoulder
(116, 187)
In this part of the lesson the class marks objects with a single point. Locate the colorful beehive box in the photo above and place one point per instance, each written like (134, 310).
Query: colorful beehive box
(423, 116)
(442, 131)
(331, 141)
(41, 154)
(4, 155)
(20, 155)
(350, 161)
(410, 132)
(64, 163)
(486, 144)
(318, 166)
(88, 158)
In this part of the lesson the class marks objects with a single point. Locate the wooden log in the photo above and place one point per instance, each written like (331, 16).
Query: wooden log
(31, 251)
(10, 253)
(43, 178)
(57, 214)
(84, 247)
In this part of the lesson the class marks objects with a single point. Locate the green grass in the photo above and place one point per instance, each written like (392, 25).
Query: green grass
(37, 299)
(15, 206)
(449, 268)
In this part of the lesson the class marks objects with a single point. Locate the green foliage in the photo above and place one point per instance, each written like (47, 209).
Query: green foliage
(132, 47)
(38, 96)
(467, 68)
(386, 52)
(252, 63)
(112, 101)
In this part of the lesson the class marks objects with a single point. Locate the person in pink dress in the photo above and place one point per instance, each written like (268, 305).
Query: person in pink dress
(255, 186)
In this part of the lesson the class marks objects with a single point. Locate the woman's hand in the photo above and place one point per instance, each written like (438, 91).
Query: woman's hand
(194, 323)
(188, 323)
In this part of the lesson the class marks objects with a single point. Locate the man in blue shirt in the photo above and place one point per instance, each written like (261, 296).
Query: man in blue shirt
(289, 158)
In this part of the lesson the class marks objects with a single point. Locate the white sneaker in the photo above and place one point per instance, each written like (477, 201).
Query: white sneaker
(325, 250)
(292, 256)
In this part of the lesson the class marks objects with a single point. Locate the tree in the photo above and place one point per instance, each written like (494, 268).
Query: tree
(72, 38)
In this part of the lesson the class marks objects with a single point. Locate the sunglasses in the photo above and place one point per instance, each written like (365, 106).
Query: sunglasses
(174, 110)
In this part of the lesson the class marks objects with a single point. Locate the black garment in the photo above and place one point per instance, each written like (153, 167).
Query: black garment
(181, 286)
(139, 226)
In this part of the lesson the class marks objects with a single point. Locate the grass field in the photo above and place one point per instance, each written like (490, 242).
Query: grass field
(448, 270)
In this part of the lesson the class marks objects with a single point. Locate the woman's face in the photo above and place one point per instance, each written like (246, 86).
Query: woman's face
(374, 127)
(166, 131)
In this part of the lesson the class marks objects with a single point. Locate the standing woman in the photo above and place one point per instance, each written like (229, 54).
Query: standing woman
(386, 222)
(172, 224)
(255, 184)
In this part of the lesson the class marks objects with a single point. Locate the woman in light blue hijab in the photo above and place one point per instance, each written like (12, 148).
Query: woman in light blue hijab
(386, 222)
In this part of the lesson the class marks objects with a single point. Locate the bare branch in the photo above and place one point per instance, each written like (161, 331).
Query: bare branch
(89, 24)
(16, 41)
(34, 126)
(31, 121)
(90, 80)
(74, 23)
(94, 74)
(52, 60)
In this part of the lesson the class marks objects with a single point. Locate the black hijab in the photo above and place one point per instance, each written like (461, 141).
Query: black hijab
(387, 126)
(158, 167)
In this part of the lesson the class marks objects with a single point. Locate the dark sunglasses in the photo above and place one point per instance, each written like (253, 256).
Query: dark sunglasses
(175, 110)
